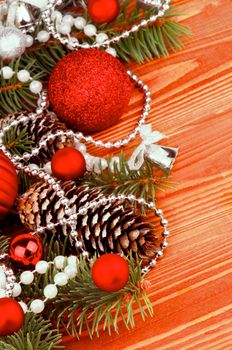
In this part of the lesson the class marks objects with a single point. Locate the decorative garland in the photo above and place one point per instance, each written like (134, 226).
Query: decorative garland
(86, 221)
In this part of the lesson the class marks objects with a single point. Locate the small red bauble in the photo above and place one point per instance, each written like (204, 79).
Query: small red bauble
(89, 90)
(103, 11)
(12, 316)
(8, 185)
(68, 164)
(110, 272)
(26, 250)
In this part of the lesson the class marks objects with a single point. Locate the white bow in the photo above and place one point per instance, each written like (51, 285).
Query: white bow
(150, 150)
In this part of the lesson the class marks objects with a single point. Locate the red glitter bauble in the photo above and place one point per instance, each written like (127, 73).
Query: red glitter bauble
(12, 317)
(8, 185)
(89, 90)
(26, 249)
(103, 11)
(68, 164)
(110, 272)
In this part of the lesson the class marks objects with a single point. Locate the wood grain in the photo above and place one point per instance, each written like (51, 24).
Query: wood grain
(192, 285)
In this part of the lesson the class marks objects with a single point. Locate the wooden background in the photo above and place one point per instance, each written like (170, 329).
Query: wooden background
(192, 285)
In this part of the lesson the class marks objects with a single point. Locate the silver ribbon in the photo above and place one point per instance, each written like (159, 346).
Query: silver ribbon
(161, 156)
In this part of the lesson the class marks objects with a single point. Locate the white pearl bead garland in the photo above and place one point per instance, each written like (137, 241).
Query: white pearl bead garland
(80, 24)
(37, 306)
(50, 291)
(23, 76)
(26, 277)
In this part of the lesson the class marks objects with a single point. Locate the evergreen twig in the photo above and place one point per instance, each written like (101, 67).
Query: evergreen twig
(36, 334)
(120, 178)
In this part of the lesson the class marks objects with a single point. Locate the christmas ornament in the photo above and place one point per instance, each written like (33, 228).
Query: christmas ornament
(110, 272)
(89, 90)
(12, 317)
(103, 11)
(39, 128)
(26, 249)
(68, 164)
(161, 156)
(111, 227)
(8, 185)
(12, 43)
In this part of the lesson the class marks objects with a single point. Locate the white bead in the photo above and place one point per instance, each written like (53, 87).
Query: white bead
(111, 51)
(37, 306)
(36, 87)
(90, 30)
(64, 28)
(2, 280)
(61, 279)
(79, 23)
(48, 168)
(50, 291)
(101, 38)
(27, 277)
(23, 75)
(68, 19)
(43, 36)
(23, 306)
(42, 267)
(59, 261)
(56, 16)
(70, 271)
(17, 290)
(29, 40)
(72, 260)
(7, 72)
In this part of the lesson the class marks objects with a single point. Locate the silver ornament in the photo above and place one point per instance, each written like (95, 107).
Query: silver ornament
(12, 43)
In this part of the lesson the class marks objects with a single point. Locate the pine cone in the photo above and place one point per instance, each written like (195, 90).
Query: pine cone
(38, 129)
(108, 228)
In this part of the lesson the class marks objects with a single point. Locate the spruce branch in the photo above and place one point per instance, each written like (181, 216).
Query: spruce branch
(36, 334)
(120, 178)
(81, 304)
(18, 143)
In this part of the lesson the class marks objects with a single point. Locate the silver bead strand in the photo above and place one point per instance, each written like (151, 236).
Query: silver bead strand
(47, 12)
(79, 136)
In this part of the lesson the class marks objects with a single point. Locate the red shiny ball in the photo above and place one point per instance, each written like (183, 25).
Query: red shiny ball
(110, 272)
(8, 185)
(12, 316)
(103, 11)
(68, 164)
(89, 90)
(26, 250)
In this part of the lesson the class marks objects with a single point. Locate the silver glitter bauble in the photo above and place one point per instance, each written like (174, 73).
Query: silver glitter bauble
(12, 42)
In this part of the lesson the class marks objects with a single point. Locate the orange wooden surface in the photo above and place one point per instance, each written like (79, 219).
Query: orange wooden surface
(192, 285)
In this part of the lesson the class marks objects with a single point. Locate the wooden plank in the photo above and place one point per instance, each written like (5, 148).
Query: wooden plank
(192, 285)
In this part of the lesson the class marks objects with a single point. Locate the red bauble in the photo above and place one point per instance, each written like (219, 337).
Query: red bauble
(8, 185)
(12, 316)
(26, 249)
(89, 90)
(103, 11)
(110, 272)
(68, 164)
